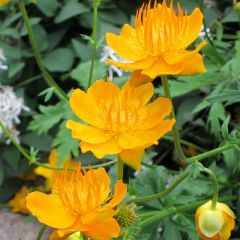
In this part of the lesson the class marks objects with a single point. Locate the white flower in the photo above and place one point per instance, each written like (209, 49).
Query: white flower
(10, 109)
(203, 32)
(111, 54)
(3, 66)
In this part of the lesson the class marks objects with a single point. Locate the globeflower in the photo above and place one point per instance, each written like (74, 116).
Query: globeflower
(214, 223)
(49, 174)
(158, 43)
(80, 203)
(120, 120)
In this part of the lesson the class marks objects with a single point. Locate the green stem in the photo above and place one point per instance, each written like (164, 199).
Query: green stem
(171, 211)
(94, 47)
(215, 185)
(49, 80)
(41, 232)
(120, 166)
(33, 161)
(186, 143)
(164, 193)
(176, 138)
(209, 153)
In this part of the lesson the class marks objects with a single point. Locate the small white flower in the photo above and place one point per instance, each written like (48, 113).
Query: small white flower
(3, 66)
(203, 32)
(109, 53)
(10, 109)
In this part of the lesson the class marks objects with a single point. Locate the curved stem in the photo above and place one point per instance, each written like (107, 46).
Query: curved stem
(176, 138)
(120, 166)
(35, 162)
(163, 193)
(94, 47)
(41, 232)
(57, 90)
(215, 185)
(209, 153)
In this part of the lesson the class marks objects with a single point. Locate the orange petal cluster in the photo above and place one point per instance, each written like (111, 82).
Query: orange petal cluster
(120, 120)
(49, 174)
(79, 203)
(214, 224)
(157, 45)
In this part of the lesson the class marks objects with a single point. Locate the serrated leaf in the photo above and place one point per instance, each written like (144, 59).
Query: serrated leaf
(65, 143)
(48, 117)
(224, 129)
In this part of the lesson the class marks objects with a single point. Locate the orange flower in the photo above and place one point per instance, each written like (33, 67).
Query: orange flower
(120, 121)
(158, 42)
(49, 174)
(80, 203)
(214, 224)
(18, 203)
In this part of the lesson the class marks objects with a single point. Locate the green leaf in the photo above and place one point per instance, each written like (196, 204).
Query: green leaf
(70, 9)
(48, 117)
(170, 230)
(11, 156)
(48, 93)
(82, 50)
(225, 132)
(48, 7)
(15, 68)
(81, 72)
(65, 143)
(59, 60)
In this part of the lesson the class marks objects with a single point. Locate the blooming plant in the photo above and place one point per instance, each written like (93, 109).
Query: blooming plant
(138, 137)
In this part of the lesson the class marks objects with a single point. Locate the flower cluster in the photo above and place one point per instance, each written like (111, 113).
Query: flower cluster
(10, 109)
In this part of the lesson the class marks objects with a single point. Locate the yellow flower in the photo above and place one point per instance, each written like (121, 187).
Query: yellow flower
(80, 203)
(49, 174)
(4, 2)
(157, 45)
(214, 224)
(18, 203)
(120, 120)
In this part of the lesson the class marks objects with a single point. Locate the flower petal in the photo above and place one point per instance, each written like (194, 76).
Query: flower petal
(87, 134)
(126, 45)
(193, 66)
(224, 208)
(101, 149)
(228, 226)
(49, 210)
(137, 78)
(104, 231)
(132, 157)
(84, 107)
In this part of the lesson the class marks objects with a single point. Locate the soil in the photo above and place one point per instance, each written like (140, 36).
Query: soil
(15, 226)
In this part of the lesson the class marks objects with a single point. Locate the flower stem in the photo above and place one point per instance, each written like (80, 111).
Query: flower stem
(215, 185)
(163, 193)
(120, 166)
(176, 138)
(94, 36)
(35, 162)
(47, 77)
(41, 232)
(209, 153)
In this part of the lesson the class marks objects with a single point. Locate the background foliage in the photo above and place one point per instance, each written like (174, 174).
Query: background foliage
(207, 105)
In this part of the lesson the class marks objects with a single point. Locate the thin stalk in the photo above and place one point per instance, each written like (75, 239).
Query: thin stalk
(209, 153)
(33, 161)
(215, 185)
(94, 47)
(176, 138)
(120, 166)
(41, 232)
(163, 193)
(171, 211)
(47, 77)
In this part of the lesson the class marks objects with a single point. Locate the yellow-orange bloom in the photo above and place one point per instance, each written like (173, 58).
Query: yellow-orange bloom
(158, 43)
(3, 2)
(214, 224)
(80, 203)
(18, 203)
(49, 174)
(120, 120)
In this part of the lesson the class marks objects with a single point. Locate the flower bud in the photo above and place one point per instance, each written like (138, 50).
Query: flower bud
(214, 223)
